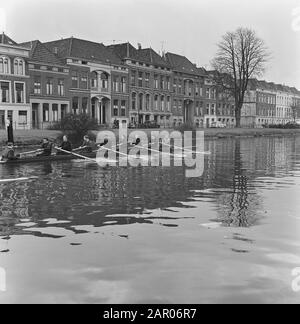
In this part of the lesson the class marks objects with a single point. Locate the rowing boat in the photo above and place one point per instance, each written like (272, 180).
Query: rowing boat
(51, 158)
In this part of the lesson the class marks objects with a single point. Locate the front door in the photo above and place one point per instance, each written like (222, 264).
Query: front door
(2, 119)
(103, 114)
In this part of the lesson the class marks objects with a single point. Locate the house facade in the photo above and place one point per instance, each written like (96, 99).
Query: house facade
(14, 84)
(99, 80)
(48, 86)
(150, 79)
(267, 103)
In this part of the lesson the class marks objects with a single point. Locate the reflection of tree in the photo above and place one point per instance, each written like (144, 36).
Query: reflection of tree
(239, 207)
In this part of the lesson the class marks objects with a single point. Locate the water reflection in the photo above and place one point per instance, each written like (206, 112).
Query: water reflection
(80, 193)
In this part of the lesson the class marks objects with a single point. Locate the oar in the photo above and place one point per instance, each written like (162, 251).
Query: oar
(31, 152)
(186, 150)
(75, 154)
(171, 154)
(120, 153)
(79, 148)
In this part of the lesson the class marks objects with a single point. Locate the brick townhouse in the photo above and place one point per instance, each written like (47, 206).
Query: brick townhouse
(99, 79)
(14, 84)
(149, 85)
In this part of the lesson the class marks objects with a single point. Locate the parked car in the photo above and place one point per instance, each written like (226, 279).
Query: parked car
(218, 124)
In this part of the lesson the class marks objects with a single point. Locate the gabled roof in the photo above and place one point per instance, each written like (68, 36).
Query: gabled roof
(148, 55)
(145, 55)
(40, 53)
(4, 39)
(181, 64)
(124, 51)
(82, 49)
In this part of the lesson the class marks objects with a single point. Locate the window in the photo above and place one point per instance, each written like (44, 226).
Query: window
(104, 80)
(19, 92)
(147, 101)
(133, 78)
(147, 80)
(84, 81)
(19, 67)
(55, 112)
(115, 84)
(168, 83)
(168, 103)
(197, 109)
(175, 105)
(4, 65)
(133, 101)
(207, 109)
(156, 102)
(175, 86)
(75, 105)
(116, 107)
(94, 80)
(140, 79)
(123, 84)
(207, 93)
(61, 87)
(22, 117)
(45, 112)
(180, 107)
(37, 86)
(85, 105)
(155, 81)
(212, 109)
(179, 86)
(123, 108)
(161, 82)
(49, 87)
(141, 101)
(197, 89)
(74, 80)
(5, 92)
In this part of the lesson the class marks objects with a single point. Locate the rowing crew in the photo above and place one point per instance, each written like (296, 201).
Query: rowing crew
(87, 146)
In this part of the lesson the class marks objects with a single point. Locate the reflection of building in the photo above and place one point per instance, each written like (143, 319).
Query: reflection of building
(14, 78)
(49, 86)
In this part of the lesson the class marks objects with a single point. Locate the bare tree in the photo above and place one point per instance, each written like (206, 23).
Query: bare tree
(241, 56)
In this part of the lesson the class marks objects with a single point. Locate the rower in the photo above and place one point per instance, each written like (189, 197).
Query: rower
(137, 141)
(105, 142)
(66, 146)
(88, 146)
(46, 148)
(9, 153)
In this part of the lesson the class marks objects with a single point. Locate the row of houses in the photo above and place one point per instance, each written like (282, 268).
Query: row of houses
(42, 82)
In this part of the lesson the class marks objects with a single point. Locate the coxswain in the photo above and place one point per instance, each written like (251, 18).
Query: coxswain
(66, 146)
(46, 148)
(9, 153)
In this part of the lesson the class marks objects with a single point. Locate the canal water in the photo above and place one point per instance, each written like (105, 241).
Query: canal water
(80, 233)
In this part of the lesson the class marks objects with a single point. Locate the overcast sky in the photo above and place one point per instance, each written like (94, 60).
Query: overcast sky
(188, 27)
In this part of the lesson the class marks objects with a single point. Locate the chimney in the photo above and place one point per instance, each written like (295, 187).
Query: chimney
(139, 46)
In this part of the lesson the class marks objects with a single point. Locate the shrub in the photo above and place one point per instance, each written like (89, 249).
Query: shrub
(76, 126)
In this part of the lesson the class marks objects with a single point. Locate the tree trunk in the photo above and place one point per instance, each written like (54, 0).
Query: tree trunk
(238, 111)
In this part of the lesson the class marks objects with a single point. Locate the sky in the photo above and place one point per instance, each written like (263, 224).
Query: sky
(188, 27)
